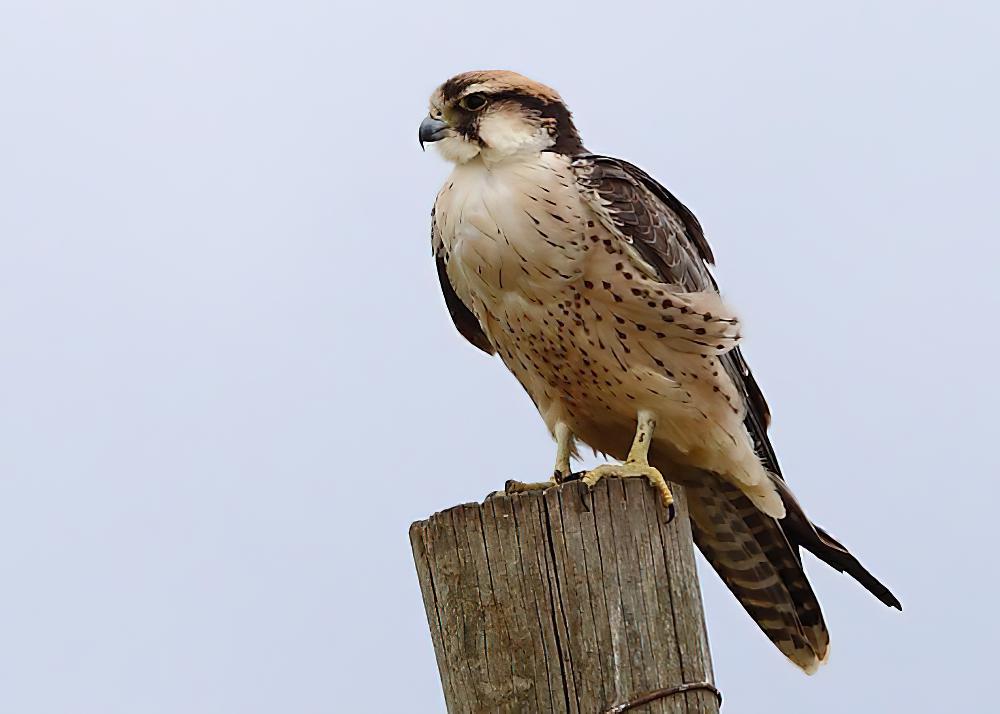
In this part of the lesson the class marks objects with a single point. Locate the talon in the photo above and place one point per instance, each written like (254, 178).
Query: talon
(665, 496)
(671, 513)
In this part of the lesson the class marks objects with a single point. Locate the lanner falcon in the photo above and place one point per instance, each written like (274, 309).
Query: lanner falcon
(591, 282)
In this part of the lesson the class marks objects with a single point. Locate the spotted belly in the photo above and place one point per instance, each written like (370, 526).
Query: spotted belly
(572, 361)
(582, 323)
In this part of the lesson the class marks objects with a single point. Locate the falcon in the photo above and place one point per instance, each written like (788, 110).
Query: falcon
(592, 283)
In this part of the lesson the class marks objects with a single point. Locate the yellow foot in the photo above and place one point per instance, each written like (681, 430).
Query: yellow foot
(513, 486)
(632, 469)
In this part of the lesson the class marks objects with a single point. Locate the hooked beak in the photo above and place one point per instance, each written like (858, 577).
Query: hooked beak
(432, 130)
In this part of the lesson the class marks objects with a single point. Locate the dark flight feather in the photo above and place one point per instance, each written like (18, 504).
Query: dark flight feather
(670, 239)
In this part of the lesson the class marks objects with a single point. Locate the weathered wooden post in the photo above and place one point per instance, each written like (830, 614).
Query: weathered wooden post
(566, 601)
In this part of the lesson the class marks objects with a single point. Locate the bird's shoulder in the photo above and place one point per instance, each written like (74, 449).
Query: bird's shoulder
(664, 232)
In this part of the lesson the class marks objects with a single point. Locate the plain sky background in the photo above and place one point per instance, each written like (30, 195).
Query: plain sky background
(228, 382)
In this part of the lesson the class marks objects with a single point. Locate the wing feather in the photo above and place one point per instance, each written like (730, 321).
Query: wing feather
(765, 572)
(669, 238)
(465, 320)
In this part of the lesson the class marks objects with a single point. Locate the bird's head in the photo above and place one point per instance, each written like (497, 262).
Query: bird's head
(497, 114)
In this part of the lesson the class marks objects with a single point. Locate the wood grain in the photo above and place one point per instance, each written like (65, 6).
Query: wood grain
(566, 600)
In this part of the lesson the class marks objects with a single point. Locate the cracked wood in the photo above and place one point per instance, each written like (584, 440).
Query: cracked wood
(564, 601)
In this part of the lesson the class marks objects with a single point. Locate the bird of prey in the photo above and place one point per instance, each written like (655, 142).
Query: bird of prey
(591, 282)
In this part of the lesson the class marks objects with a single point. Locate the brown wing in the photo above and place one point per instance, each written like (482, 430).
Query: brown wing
(462, 316)
(670, 239)
(664, 233)
(766, 575)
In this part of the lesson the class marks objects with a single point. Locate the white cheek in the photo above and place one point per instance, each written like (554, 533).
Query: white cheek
(457, 150)
(506, 135)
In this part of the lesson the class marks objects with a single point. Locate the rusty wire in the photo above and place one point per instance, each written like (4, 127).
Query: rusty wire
(658, 694)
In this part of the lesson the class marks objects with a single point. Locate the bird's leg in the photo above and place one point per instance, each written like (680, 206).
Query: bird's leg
(637, 463)
(562, 471)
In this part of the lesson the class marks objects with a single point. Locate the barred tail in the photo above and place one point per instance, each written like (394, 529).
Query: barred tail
(753, 556)
(758, 558)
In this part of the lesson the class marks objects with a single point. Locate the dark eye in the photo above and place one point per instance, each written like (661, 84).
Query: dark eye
(473, 102)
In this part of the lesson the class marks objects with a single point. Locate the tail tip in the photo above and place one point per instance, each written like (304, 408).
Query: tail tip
(812, 665)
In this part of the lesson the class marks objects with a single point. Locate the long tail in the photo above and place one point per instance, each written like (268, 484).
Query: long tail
(758, 558)
(803, 532)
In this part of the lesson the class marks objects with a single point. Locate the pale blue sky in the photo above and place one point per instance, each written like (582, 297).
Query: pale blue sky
(228, 382)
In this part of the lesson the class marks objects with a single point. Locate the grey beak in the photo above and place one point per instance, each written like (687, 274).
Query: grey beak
(432, 130)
